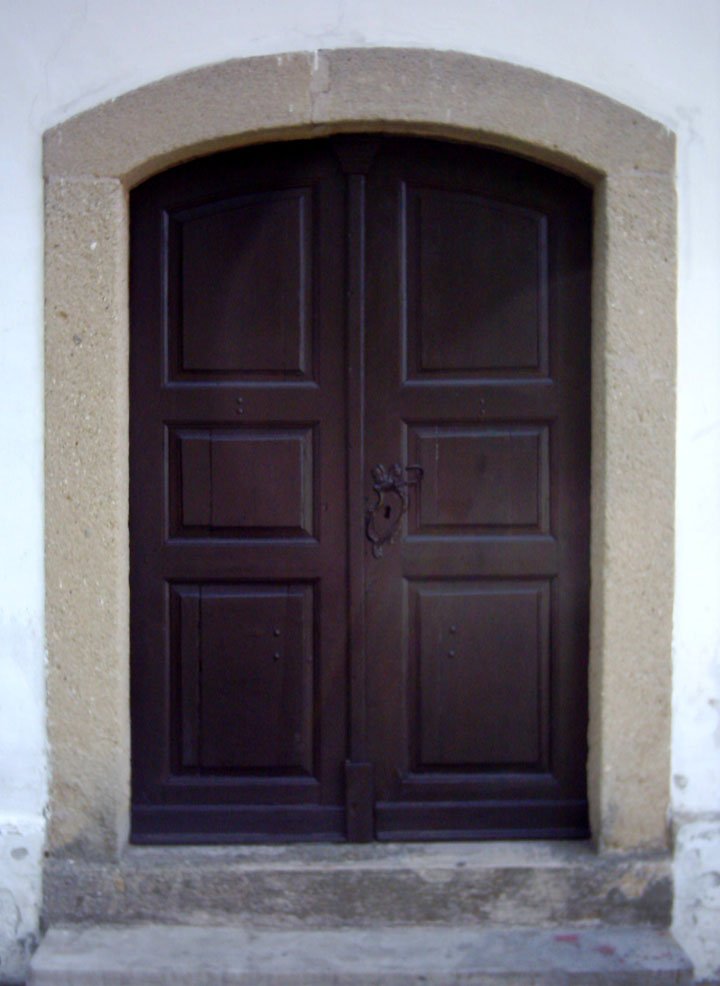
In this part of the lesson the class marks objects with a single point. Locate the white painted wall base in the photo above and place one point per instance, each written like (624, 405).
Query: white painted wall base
(22, 719)
(21, 855)
(697, 893)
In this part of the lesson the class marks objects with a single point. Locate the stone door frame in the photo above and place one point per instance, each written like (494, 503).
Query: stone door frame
(92, 160)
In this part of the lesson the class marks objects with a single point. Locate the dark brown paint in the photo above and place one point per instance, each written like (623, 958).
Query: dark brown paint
(301, 314)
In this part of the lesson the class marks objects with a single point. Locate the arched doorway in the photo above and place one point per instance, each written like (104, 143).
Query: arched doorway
(359, 492)
(91, 163)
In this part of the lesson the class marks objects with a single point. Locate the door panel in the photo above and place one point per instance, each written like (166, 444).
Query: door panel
(464, 466)
(244, 300)
(252, 640)
(472, 710)
(301, 314)
(477, 371)
(224, 475)
(499, 322)
(238, 534)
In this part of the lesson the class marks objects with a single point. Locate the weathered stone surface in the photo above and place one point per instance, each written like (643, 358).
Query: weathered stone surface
(203, 110)
(363, 886)
(242, 100)
(86, 529)
(197, 956)
(633, 438)
(516, 108)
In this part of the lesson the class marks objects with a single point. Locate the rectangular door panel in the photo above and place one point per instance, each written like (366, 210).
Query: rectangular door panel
(247, 677)
(257, 702)
(478, 658)
(476, 286)
(480, 478)
(251, 482)
(241, 302)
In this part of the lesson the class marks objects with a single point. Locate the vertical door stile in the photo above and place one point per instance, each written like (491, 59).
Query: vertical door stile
(355, 156)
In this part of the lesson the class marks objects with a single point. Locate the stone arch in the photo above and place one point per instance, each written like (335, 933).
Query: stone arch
(90, 163)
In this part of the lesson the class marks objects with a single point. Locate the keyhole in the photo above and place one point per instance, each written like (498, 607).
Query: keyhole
(388, 511)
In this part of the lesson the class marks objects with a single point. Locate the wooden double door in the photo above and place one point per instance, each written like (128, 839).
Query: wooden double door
(359, 495)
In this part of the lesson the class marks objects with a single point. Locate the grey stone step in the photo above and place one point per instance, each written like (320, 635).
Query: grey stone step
(326, 886)
(156, 955)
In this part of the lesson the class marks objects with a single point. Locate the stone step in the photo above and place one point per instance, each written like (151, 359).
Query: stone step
(156, 955)
(326, 886)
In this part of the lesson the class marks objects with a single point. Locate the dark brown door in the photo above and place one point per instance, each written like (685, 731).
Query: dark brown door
(320, 329)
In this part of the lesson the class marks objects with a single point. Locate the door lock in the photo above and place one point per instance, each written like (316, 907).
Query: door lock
(388, 481)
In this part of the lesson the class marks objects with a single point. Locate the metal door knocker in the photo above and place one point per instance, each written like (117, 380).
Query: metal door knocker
(386, 481)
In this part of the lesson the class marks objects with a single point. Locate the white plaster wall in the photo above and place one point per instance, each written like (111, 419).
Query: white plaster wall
(58, 57)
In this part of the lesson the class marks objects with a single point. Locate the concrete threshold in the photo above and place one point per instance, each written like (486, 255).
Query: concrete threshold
(328, 886)
(164, 955)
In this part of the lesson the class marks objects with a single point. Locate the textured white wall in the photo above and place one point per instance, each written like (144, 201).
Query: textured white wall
(58, 57)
